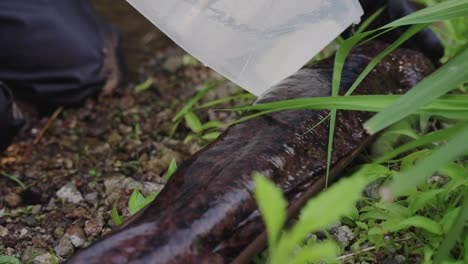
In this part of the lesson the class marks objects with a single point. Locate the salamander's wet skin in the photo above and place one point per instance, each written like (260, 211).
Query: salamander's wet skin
(207, 213)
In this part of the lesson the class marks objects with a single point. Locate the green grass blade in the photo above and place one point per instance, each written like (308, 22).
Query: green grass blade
(410, 178)
(443, 11)
(440, 82)
(190, 104)
(272, 206)
(427, 139)
(457, 229)
(404, 37)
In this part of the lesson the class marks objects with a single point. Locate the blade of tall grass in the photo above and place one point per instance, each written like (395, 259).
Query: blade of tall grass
(439, 135)
(440, 82)
(408, 180)
(454, 233)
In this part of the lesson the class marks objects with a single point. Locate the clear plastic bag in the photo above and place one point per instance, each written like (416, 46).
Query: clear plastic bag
(254, 43)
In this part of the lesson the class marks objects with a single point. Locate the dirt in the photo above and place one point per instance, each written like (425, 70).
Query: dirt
(59, 198)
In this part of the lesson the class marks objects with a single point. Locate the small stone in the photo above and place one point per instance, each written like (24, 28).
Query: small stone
(400, 259)
(68, 164)
(31, 253)
(23, 232)
(43, 259)
(3, 231)
(13, 200)
(113, 182)
(30, 220)
(64, 248)
(93, 226)
(77, 236)
(36, 209)
(344, 235)
(151, 187)
(438, 180)
(372, 190)
(333, 228)
(91, 197)
(70, 193)
(172, 64)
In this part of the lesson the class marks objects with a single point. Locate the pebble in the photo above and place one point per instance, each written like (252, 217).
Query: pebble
(93, 226)
(172, 64)
(372, 190)
(91, 197)
(43, 259)
(3, 231)
(31, 253)
(30, 220)
(70, 193)
(400, 259)
(344, 235)
(151, 187)
(36, 209)
(64, 248)
(13, 200)
(77, 236)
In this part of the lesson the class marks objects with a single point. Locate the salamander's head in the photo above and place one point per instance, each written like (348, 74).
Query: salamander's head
(426, 41)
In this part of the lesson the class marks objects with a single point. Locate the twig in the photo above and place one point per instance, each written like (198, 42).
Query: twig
(42, 132)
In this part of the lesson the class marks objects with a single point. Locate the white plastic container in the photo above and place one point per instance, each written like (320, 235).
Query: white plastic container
(254, 43)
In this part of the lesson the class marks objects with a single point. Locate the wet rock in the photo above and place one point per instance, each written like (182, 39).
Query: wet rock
(31, 253)
(77, 236)
(93, 226)
(343, 235)
(390, 261)
(333, 228)
(64, 248)
(43, 259)
(70, 193)
(13, 200)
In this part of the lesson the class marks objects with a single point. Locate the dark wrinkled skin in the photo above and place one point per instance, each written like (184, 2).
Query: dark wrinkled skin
(207, 212)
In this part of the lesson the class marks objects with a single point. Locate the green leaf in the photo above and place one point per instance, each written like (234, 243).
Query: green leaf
(144, 86)
(170, 171)
(395, 225)
(439, 135)
(325, 252)
(443, 155)
(9, 260)
(212, 124)
(15, 179)
(443, 11)
(454, 233)
(118, 220)
(272, 205)
(211, 136)
(445, 79)
(193, 122)
(136, 202)
(421, 199)
(191, 103)
(321, 211)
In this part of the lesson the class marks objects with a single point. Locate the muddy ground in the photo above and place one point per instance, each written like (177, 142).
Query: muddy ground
(58, 198)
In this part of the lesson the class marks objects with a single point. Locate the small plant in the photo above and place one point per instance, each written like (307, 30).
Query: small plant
(9, 260)
(137, 201)
(291, 246)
